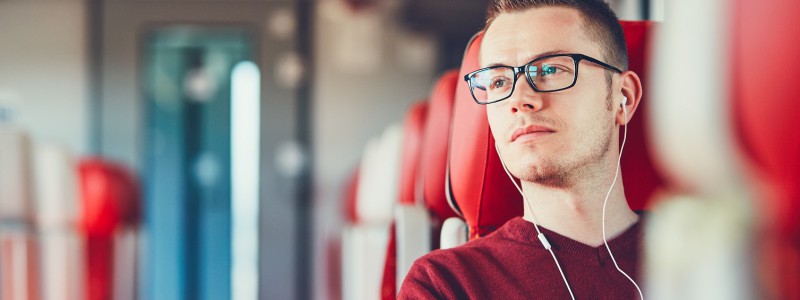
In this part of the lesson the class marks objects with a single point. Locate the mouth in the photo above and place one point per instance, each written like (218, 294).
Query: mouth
(530, 132)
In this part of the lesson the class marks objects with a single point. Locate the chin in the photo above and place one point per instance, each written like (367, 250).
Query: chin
(528, 167)
(547, 174)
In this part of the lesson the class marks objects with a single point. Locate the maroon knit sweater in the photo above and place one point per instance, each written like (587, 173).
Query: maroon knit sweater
(511, 263)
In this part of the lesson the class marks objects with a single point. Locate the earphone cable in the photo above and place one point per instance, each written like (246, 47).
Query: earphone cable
(540, 235)
(616, 174)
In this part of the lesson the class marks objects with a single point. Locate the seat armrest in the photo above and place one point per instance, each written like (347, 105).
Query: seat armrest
(454, 233)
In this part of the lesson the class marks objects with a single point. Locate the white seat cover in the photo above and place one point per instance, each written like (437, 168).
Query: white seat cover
(364, 244)
(413, 232)
(55, 216)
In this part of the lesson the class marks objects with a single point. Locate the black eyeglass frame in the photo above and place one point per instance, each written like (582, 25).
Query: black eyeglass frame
(521, 69)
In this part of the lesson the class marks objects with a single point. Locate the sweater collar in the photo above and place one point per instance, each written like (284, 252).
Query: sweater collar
(523, 231)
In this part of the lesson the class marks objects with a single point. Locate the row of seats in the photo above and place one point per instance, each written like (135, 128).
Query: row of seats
(67, 226)
(436, 181)
(388, 195)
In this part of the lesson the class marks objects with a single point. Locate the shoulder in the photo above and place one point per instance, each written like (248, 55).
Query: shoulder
(450, 260)
(511, 237)
(450, 273)
(467, 254)
(439, 274)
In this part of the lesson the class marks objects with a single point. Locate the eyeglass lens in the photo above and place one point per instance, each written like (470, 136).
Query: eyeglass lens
(548, 74)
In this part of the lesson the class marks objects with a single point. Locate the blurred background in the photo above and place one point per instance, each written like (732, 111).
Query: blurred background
(201, 149)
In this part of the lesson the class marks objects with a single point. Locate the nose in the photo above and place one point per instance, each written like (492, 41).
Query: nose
(524, 99)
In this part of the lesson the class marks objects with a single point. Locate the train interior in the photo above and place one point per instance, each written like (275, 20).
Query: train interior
(299, 149)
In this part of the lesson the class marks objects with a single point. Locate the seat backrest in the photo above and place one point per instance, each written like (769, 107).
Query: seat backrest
(365, 242)
(436, 140)
(639, 173)
(707, 204)
(109, 197)
(413, 133)
(56, 217)
(766, 109)
(409, 233)
(690, 125)
(477, 183)
(379, 182)
(15, 176)
(18, 247)
(347, 268)
(765, 102)
(109, 201)
(423, 204)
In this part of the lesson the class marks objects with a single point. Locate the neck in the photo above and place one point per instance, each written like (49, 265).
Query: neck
(576, 211)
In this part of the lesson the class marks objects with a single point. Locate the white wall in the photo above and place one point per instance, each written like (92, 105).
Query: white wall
(44, 70)
(366, 78)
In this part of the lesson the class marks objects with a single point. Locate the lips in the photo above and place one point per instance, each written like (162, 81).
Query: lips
(533, 130)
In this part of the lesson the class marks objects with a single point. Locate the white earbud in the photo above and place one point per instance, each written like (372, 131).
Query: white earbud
(624, 105)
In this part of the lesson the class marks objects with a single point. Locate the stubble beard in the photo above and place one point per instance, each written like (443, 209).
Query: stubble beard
(562, 171)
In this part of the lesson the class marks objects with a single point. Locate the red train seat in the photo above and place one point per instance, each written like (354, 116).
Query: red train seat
(766, 109)
(109, 203)
(18, 246)
(364, 243)
(409, 235)
(477, 184)
(422, 204)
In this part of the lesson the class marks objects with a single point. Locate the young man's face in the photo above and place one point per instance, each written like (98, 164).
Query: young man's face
(576, 127)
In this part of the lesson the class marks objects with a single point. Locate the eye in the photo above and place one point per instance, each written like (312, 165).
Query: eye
(499, 82)
(548, 70)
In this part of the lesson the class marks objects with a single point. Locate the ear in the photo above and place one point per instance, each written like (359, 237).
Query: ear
(631, 88)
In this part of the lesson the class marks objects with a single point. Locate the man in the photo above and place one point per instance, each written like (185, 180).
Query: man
(556, 96)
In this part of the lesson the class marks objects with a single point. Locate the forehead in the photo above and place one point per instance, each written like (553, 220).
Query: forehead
(516, 38)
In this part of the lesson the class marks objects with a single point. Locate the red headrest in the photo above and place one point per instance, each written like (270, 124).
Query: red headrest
(637, 167)
(109, 197)
(477, 182)
(765, 103)
(414, 126)
(434, 154)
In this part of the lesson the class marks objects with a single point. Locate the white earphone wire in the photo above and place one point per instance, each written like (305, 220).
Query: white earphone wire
(540, 235)
(616, 175)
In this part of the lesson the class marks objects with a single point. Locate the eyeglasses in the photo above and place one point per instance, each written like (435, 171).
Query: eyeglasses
(549, 73)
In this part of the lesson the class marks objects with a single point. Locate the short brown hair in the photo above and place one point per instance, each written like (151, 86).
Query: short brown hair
(600, 23)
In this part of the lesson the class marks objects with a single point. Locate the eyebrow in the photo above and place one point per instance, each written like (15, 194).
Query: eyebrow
(532, 58)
